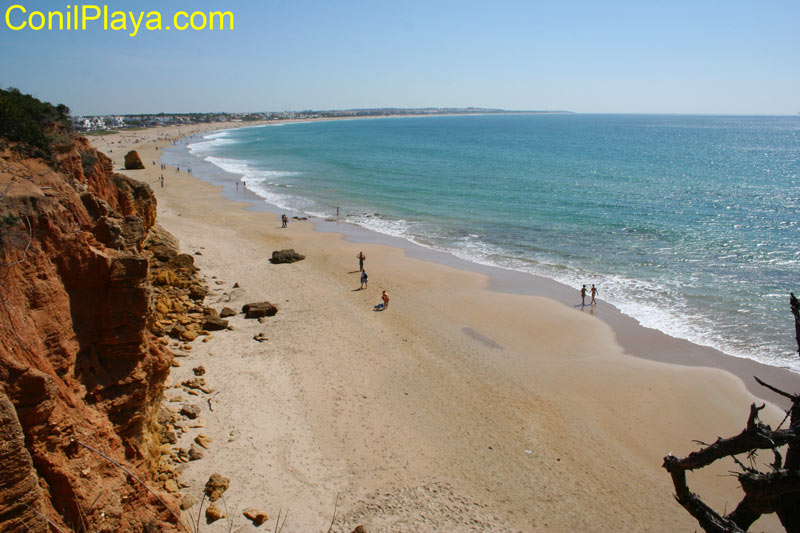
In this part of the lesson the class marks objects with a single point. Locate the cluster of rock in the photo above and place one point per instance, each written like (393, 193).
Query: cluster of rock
(174, 423)
(178, 295)
(177, 423)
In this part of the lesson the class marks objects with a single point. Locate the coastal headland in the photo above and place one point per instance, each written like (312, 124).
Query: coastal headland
(458, 408)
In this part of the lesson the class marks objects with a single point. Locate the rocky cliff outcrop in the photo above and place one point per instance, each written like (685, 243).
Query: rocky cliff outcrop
(133, 161)
(81, 375)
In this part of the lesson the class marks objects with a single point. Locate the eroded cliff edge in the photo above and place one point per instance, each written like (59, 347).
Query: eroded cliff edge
(78, 364)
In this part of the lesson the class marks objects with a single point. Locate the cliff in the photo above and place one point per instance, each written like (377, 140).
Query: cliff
(78, 364)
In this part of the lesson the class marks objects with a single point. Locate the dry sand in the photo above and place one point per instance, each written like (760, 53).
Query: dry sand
(456, 409)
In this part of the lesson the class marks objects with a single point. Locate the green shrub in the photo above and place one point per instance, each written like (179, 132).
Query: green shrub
(88, 159)
(34, 126)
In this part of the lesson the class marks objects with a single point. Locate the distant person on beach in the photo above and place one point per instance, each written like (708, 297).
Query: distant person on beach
(284, 220)
(162, 181)
(337, 211)
(361, 258)
(363, 279)
(593, 293)
(583, 296)
(385, 298)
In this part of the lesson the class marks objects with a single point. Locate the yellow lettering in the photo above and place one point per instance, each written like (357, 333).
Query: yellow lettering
(221, 15)
(118, 20)
(136, 23)
(51, 15)
(85, 15)
(183, 14)
(8, 17)
(195, 26)
(41, 18)
(153, 21)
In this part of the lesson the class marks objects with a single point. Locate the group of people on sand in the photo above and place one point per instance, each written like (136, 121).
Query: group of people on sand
(364, 283)
(593, 292)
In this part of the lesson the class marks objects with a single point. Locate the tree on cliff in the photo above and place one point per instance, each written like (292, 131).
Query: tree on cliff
(776, 490)
(32, 125)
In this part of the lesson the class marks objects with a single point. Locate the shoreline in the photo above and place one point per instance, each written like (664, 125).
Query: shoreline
(459, 408)
(636, 339)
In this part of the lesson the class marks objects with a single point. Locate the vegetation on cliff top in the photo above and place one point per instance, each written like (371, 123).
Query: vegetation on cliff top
(36, 128)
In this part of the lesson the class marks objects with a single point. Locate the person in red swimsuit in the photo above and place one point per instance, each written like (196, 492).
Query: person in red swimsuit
(385, 298)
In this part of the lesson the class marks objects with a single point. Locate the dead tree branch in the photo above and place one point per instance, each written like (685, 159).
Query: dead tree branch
(765, 493)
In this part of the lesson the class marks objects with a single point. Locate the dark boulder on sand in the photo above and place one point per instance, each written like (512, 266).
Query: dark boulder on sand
(226, 312)
(133, 161)
(285, 256)
(259, 309)
(214, 323)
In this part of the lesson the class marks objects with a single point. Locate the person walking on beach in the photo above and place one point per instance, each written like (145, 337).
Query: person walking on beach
(284, 220)
(361, 258)
(593, 293)
(385, 298)
(583, 296)
(363, 279)
(162, 181)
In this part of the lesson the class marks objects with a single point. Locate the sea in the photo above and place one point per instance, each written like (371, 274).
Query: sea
(688, 224)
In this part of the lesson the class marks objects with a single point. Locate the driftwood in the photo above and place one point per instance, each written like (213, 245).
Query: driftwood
(774, 491)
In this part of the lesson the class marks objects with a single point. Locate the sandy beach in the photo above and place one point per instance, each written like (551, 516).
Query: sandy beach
(461, 407)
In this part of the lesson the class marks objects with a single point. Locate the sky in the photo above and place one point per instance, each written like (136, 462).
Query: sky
(696, 57)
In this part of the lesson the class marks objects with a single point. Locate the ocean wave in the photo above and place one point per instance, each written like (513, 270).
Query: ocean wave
(246, 170)
(652, 304)
(380, 224)
(210, 142)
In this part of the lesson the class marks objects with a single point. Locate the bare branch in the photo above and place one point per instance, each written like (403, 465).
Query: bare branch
(43, 517)
(27, 246)
(775, 390)
(333, 518)
(134, 476)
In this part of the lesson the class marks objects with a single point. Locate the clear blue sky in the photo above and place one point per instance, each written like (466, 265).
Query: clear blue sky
(739, 57)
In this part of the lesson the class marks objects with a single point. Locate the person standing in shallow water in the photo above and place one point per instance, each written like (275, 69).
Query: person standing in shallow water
(583, 296)
(593, 292)
(361, 258)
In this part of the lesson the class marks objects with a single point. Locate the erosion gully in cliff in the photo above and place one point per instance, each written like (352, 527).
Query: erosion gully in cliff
(81, 364)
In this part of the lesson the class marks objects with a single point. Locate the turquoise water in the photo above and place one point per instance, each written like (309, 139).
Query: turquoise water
(687, 223)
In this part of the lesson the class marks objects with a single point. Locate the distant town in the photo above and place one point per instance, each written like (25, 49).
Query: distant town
(89, 123)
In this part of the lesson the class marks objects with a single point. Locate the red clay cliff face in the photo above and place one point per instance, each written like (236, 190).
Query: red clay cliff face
(77, 363)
